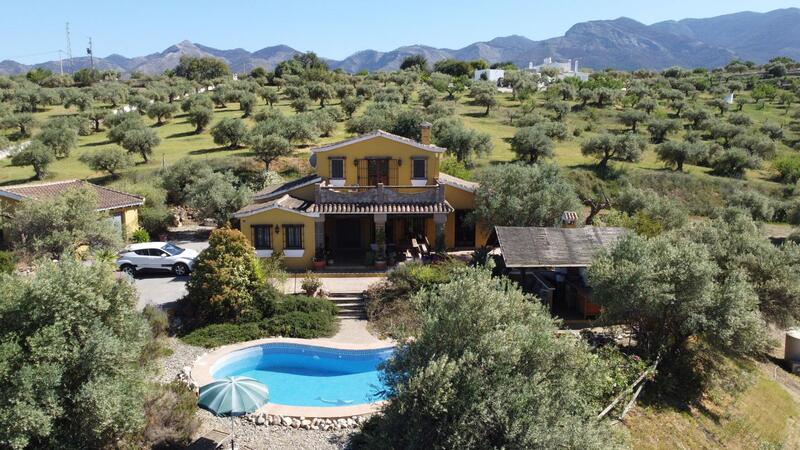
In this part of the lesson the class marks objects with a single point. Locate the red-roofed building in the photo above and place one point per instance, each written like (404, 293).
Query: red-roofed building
(121, 206)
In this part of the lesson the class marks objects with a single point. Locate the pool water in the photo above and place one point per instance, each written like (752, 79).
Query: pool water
(304, 375)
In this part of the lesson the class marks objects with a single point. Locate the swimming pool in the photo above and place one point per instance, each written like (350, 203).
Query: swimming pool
(306, 375)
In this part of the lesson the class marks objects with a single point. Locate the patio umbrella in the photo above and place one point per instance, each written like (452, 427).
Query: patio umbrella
(233, 396)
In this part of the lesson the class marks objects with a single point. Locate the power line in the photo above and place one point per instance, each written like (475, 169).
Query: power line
(69, 50)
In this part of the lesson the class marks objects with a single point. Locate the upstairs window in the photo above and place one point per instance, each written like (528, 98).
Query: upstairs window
(262, 237)
(418, 169)
(293, 236)
(337, 168)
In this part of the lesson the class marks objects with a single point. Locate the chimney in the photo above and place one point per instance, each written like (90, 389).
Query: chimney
(569, 219)
(425, 135)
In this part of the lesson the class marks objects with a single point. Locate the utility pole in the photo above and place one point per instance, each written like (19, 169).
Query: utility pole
(89, 52)
(69, 50)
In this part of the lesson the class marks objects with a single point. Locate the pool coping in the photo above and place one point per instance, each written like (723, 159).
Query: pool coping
(201, 375)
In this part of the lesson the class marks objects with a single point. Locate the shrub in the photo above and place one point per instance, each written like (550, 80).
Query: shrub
(760, 207)
(454, 167)
(154, 216)
(311, 284)
(224, 279)
(303, 325)
(219, 334)
(300, 303)
(169, 414)
(140, 235)
(788, 166)
(157, 319)
(7, 262)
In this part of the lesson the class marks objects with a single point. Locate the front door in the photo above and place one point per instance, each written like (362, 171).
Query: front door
(348, 233)
(378, 171)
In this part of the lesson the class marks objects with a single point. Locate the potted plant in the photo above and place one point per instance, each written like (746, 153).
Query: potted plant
(311, 283)
(319, 259)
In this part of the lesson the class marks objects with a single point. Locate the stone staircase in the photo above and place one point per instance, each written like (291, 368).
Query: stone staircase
(351, 305)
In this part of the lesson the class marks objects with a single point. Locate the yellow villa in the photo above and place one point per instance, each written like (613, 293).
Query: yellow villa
(377, 194)
(123, 208)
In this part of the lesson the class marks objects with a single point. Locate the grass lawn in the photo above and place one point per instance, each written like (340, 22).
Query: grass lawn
(178, 141)
(760, 415)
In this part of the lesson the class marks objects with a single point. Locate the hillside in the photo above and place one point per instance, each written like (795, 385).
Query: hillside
(621, 43)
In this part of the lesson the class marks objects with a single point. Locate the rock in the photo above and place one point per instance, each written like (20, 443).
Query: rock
(286, 421)
(260, 420)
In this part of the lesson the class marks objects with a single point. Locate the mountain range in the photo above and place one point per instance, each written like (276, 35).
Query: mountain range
(621, 43)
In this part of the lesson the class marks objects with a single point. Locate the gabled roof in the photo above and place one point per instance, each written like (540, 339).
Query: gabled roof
(283, 188)
(286, 203)
(554, 247)
(458, 183)
(106, 198)
(377, 134)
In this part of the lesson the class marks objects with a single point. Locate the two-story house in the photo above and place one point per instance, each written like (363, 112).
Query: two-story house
(377, 192)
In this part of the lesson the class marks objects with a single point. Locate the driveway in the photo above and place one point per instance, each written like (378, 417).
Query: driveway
(163, 288)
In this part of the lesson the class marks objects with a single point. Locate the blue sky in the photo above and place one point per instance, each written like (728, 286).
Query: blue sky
(333, 29)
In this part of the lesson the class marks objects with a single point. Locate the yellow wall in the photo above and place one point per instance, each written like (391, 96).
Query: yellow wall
(130, 220)
(378, 147)
(277, 218)
(461, 199)
(130, 217)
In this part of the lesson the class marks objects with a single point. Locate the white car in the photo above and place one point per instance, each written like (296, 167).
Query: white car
(156, 256)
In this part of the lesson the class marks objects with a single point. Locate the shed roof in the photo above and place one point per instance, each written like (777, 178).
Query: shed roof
(554, 247)
(286, 203)
(276, 190)
(458, 183)
(106, 198)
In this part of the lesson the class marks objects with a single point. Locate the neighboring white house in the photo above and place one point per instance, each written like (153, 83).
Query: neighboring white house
(565, 69)
(489, 74)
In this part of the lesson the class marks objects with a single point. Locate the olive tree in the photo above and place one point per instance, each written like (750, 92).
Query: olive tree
(110, 160)
(230, 132)
(678, 303)
(628, 147)
(50, 227)
(459, 140)
(37, 155)
(141, 141)
(58, 138)
(73, 345)
(269, 147)
(676, 153)
(199, 116)
(161, 111)
(520, 195)
(531, 143)
(481, 342)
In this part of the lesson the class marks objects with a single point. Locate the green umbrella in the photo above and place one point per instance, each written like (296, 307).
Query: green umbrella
(233, 396)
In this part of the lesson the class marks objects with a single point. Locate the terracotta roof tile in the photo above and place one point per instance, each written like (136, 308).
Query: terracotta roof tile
(384, 208)
(106, 198)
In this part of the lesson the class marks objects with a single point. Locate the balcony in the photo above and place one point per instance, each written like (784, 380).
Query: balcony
(380, 194)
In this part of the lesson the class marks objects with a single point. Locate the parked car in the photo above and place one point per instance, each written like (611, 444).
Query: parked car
(161, 256)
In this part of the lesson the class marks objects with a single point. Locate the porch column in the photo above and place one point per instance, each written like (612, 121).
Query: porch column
(319, 235)
(380, 235)
(440, 219)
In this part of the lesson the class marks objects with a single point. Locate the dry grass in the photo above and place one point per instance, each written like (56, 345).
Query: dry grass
(758, 414)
